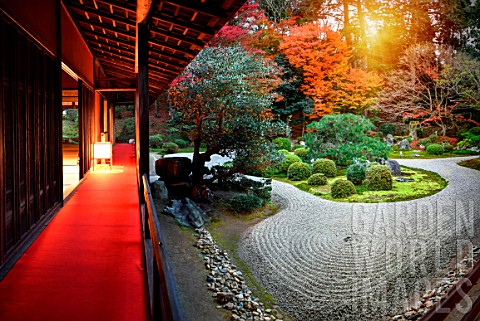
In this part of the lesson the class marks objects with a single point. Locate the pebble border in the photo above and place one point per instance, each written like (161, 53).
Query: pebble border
(429, 298)
(228, 284)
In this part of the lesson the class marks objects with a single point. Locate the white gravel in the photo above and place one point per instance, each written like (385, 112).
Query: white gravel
(323, 260)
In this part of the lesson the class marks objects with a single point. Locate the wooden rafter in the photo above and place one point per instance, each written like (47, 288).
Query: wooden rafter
(111, 64)
(131, 24)
(202, 8)
(179, 29)
(131, 45)
(132, 59)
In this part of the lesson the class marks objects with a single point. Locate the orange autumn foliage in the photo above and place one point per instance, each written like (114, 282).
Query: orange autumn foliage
(323, 56)
(358, 91)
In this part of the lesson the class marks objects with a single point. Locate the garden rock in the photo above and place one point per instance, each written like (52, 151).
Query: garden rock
(404, 144)
(394, 167)
(389, 140)
(404, 179)
(159, 190)
(187, 213)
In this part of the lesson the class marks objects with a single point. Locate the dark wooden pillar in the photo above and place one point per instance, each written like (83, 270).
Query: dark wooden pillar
(141, 103)
(58, 104)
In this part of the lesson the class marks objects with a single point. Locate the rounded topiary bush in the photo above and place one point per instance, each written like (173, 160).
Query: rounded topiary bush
(324, 166)
(283, 151)
(379, 178)
(245, 203)
(181, 143)
(155, 141)
(298, 171)
(287, 161)
(356, 173)
(301, 152)
(170, 147)
(283, 143)
(342, 188)
(317, 180)
(435, 149)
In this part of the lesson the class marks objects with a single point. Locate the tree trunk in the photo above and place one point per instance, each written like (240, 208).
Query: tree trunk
(346, 23)
(157, 112)
(198, 163)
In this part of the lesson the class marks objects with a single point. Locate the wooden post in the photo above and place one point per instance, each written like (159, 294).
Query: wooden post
(58, 105)
(141, 103)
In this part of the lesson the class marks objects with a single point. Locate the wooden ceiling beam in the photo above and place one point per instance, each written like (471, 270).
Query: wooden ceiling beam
(101, 13)
(184, 24)
(159, 16)
(125, 5)
(126, 33)
(200, 8)
(184, 61)
(109, 27)
(127, 59)
(112, 63)
(159, 82)
(116, 89)
(130, 23)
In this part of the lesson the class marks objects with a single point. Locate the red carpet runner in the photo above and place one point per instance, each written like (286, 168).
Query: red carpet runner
(86, 265)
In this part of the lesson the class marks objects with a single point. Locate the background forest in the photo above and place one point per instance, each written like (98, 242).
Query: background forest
(411, 67)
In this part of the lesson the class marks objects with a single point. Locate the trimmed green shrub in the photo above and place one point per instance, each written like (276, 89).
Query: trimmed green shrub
(378, 178)
(433, 137)
(283, 143)
(425, 142)
(324, 166)
(342, 188)
(435, 149)
(301, 152)
(342, 138)
(298, 171)
(245, 203)
(170, 148)
(155, 141)
(374, 164)
(297, 146)
(356, 173)
(181, 143)
(475, 131)
(317, 179)
(287, 161)
(448, 148)
(387, 129)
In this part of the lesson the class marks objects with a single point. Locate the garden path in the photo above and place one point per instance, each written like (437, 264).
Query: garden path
(324, 260)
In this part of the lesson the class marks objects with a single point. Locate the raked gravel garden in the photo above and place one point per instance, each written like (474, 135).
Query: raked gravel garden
(324, 260)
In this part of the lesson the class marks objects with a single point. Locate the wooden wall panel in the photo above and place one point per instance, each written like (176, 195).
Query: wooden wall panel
(30, 128)
(38, 17)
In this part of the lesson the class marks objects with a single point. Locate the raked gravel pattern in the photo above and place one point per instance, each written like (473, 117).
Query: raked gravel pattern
(323, 260)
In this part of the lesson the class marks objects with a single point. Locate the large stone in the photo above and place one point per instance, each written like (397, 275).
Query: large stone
(187, 212)
(159, 190)
(404, 144)
(389, 140)
(394, 167)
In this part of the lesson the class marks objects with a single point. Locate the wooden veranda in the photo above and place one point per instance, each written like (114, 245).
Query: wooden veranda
(90, 55)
